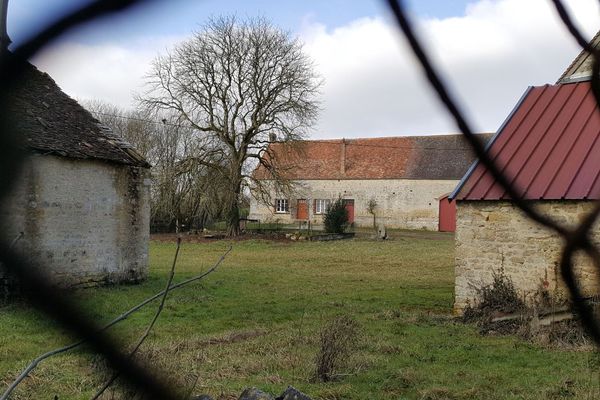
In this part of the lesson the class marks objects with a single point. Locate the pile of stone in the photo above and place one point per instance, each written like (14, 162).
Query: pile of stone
(295, 236)
(255, 394)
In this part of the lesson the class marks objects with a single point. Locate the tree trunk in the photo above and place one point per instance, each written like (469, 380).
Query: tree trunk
(233, 221)
(233, 210)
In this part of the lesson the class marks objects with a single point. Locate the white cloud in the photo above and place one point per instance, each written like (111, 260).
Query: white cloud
(373, 86)
(109, 72)
(489, 57)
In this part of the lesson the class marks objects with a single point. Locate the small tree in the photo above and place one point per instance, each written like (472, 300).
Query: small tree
(371, 208)
(336, 217)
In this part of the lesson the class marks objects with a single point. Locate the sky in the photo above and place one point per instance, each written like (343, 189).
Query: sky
(489, 51)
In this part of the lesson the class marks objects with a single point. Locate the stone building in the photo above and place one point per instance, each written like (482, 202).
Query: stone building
(81, 201)
(405, 176)
(548, 147)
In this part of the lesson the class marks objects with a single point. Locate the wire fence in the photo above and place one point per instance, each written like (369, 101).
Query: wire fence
(60, 307)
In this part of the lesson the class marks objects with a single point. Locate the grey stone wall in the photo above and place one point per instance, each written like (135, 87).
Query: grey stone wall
(402, 203)
(494, 234)
(85, 221)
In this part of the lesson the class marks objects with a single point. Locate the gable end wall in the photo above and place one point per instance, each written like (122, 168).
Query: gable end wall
(491, 235)
(85, 221)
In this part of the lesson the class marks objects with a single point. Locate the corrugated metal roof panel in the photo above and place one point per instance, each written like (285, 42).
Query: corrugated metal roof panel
(548, 149)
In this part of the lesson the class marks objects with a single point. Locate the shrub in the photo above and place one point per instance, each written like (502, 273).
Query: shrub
(500, 296)
(338, 340)
(336, 217)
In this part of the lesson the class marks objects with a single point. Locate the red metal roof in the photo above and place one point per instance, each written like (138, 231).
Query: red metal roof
(549, 148)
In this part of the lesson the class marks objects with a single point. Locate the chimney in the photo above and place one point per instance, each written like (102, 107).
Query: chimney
(4, 39)
(342, 157)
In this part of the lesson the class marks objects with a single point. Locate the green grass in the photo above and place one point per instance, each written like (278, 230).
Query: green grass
(256, 320)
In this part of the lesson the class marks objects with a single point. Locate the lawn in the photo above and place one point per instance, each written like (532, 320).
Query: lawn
(256, 322)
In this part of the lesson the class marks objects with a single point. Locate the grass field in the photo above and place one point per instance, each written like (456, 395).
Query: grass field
(256, 322)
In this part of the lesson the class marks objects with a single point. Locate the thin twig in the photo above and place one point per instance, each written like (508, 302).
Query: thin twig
(115, 321)
(150, 326)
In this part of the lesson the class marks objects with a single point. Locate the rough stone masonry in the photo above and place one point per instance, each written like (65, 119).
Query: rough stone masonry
(84, 221)
(494, 235)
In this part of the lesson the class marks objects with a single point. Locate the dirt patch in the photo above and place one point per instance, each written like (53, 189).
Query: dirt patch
(216, 236)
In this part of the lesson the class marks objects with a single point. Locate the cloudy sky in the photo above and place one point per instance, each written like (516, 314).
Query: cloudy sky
(490, 52)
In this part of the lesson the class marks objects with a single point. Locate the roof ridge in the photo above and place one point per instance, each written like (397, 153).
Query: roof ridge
(436, 135)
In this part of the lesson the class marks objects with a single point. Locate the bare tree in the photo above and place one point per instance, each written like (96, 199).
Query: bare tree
(239, 85)
(136, 126)
(182, 192)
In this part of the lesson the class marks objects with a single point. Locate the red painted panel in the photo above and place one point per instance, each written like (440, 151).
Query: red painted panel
(447, 217)
(302, 209)
(349, 204)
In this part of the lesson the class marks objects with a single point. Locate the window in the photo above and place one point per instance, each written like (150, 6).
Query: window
(321, 205)
(281, 206)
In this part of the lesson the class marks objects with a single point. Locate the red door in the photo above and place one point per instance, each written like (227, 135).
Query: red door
(447, 218)
(349, 204)
(302, 210)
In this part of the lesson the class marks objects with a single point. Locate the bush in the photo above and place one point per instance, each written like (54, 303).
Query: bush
(338, 340)
(500, 296)
(336, 217)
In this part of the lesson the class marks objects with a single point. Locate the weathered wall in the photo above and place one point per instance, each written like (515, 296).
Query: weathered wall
(494, 234)
(402, 203)
(84, 221)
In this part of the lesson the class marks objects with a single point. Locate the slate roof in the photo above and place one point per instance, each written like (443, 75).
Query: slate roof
(49, 122)
(581, 67)
(443, 157)
(548, 148)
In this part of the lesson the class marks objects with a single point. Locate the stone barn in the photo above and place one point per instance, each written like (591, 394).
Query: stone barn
(81, 201)
(549, 148)
(406, 177)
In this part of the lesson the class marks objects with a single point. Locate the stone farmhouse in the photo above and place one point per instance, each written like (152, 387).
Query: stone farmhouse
(81, 201)
(409, 179)
(549, 148)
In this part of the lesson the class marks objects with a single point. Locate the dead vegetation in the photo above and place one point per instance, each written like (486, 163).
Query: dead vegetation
(547, 319)
(338, 341)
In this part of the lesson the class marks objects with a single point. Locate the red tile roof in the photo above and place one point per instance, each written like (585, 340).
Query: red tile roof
(444, 157)
(548, 148)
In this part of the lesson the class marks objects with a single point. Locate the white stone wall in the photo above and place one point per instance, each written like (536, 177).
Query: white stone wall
(494, 234)
(84, 221)
(402, 203)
